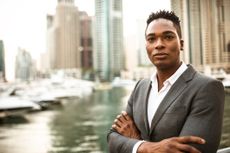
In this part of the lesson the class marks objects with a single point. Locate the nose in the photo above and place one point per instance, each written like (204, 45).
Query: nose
(159, 44)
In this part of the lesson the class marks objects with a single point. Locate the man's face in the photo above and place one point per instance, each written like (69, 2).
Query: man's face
(163, 44)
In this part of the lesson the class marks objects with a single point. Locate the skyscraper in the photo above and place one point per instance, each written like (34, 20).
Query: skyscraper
(223, 19)
(108, 40)
(64, 36)
(206, 31)
(86, 43)
(189, 14)
(23, 65)
(2, 61)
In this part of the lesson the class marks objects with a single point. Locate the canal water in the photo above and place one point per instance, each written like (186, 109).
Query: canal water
(79, 126)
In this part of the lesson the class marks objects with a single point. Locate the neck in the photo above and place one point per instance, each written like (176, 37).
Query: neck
(164, 74)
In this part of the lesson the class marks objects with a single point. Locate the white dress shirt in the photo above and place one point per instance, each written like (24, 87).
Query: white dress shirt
(156, 97)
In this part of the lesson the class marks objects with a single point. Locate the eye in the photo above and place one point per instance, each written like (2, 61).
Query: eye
(168, 37)
(150, 39)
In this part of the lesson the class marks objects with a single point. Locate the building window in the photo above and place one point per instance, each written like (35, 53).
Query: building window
(117, 5)
(228, 46)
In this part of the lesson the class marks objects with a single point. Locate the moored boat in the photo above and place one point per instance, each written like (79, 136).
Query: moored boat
(14, 106)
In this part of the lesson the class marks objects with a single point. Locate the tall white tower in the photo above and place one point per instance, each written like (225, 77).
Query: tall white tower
(108, 39)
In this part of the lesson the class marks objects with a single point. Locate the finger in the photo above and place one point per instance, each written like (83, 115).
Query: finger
(118, 123)
(121, 118)
(187, 148)
(126, 116)
(115, 121)
(118, 116)
(124, 113)
(115, 127)
(191, 139)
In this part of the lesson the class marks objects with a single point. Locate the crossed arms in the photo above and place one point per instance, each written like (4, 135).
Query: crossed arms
(201, 117)
(124, 125)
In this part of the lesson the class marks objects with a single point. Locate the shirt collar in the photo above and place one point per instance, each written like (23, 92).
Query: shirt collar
(174, 77)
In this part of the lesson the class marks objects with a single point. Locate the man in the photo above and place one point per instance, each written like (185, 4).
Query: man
(177, 109)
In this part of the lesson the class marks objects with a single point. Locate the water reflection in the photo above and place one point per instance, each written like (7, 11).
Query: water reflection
(13, 120)
(26, 135)
(80, 126)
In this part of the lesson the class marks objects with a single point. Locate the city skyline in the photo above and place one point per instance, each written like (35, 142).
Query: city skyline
(28, 30)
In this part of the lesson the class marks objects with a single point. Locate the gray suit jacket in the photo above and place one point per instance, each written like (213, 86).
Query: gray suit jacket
(193, 106)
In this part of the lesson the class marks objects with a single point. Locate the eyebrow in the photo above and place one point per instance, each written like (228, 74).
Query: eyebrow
(169, 32)
(164, 33)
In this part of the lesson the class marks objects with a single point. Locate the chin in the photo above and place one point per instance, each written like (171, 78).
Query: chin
(162, 66)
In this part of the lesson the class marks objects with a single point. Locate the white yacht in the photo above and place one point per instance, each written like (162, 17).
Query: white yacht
(10, 106)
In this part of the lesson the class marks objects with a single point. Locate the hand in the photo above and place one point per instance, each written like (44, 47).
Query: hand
(124, 125)
(172, 145)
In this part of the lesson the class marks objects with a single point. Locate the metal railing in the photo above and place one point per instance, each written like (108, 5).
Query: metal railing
(224, 150)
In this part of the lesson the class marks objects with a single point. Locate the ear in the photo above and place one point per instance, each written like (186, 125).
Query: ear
(181, 44)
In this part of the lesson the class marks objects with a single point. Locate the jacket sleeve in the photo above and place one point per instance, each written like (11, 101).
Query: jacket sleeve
(206, 115)
(118, 143)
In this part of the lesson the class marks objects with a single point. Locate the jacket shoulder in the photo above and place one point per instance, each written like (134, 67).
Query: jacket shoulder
(143, 83)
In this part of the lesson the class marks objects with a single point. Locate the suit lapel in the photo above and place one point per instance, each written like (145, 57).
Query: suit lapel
(146, 106)
(172, 94)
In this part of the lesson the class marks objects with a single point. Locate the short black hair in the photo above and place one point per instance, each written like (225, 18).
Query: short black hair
(169, 15)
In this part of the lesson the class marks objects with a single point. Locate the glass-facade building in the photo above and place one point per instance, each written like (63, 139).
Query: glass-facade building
(108, 39)
(206, 31)
(2, 60)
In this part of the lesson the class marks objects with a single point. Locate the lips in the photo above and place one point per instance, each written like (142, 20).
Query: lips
(160, 55)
